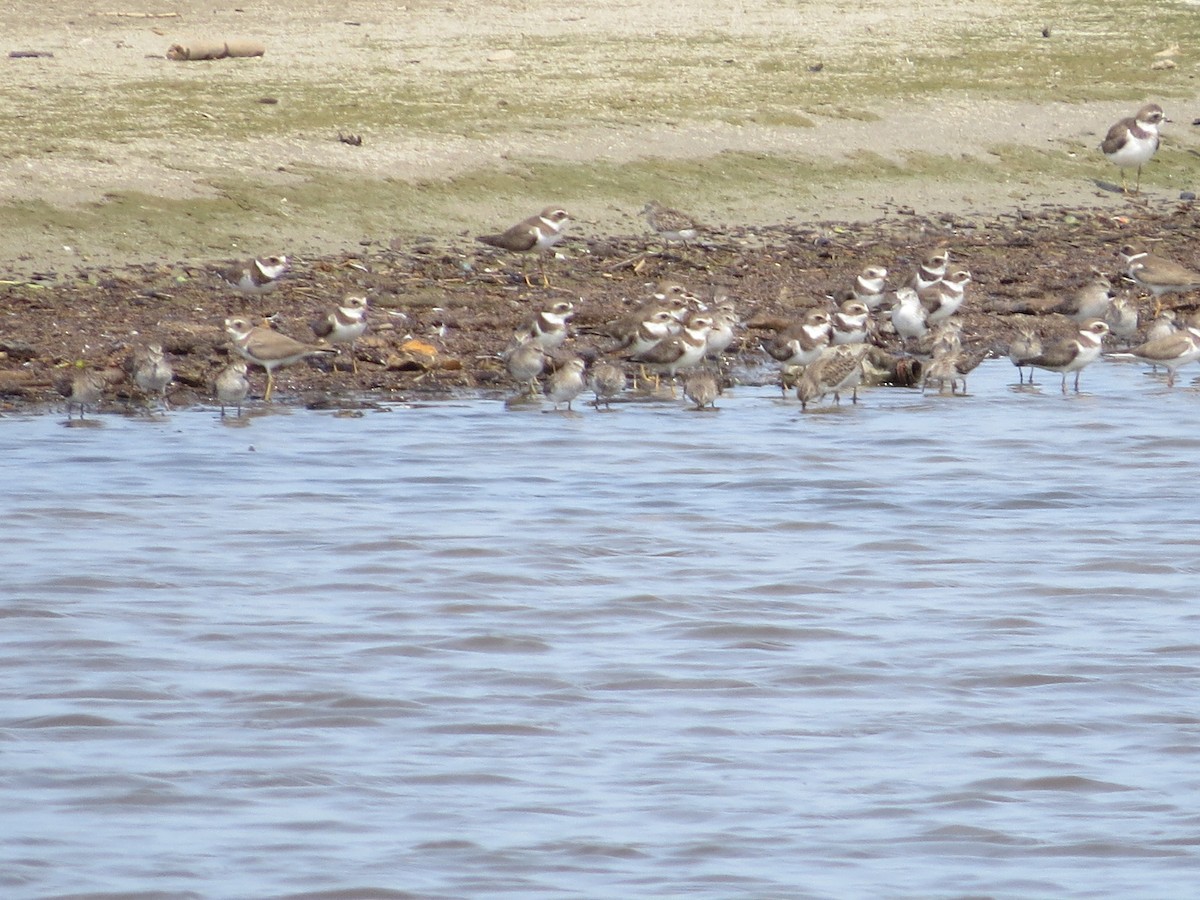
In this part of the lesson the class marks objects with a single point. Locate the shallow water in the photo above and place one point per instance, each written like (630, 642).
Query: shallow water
(918, 647)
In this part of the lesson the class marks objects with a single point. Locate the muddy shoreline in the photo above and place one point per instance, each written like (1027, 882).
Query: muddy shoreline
(442, 313)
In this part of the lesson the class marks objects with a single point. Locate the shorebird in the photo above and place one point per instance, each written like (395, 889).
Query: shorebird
(537, 234)
(1070, 354)
(869, 286)
(548, 328)
(1170, 351)
(344, 325)
(255, 276)
(1089, 301)
(268, 348)
(837, 369)
(930, 271)
(671, 224)
(232, 386)
(702, 389)
(943, 299)
(679, 352)
(152, 373)
(566, 382)
(908, 315)
(606, 381)
(84, 389)
(1025, 345)
(850, 323)
(1121, 318)
(799, 344)
(1133, 141)
(525, 363)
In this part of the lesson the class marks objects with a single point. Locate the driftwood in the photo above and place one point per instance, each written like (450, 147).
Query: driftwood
(30, 54)
(138, 15)
(198, 50)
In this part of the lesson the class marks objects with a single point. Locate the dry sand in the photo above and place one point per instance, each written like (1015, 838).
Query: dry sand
(95, 171)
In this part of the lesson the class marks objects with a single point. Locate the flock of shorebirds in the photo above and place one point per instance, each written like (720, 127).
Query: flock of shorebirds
(910, 335)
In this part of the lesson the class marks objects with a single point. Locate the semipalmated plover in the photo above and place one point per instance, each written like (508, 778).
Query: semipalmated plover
(255, 276)
(1132, 142)
(870, 286)
(850, 323)
(537, 234)
(1170, 351)
(908, 315)
(344, 325)
(943, 299)
(268, 348)
(930, 271)
(679, 352)
(1070, 354)
(548, 328)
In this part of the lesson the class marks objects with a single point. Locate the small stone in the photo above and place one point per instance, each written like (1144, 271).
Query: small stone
(1187, 195)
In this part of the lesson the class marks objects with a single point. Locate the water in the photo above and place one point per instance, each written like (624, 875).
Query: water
(921, 647)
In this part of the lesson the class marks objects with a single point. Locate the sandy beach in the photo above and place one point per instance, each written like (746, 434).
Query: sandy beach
(371, 142)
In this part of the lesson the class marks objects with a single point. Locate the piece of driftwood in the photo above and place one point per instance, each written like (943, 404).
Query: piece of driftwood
(198, 50)
(30, 54)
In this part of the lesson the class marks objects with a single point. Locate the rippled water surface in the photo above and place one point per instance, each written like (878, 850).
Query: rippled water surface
(921, 647)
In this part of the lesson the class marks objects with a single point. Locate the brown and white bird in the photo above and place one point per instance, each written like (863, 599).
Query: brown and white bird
(944, 338)
(1025, 345)
(930, 271)
(943, 299)
(1071, 354)
(255, 276)
(836, 370)
(344, 325)
(537, 234)
(1160, 275)
(152, 373)
(1121, 318)
(702, 388)
(869, 286)
(525, 362)
(800, 343)
(566, 382)
(1090, 300)
(670, 224)
(547, 328)
(909, 317)
(607, 381)
(1133, 141)
(232, 386)
(850, 323)
(83, 389)
(268, 348)
(679, 352)
(1170, 351)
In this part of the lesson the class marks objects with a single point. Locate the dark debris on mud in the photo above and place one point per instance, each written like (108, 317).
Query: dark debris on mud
(442, 313)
